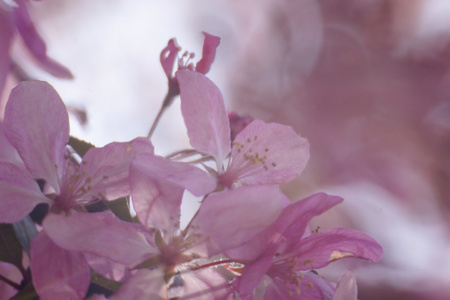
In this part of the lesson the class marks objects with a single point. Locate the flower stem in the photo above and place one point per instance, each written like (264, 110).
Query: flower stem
(10, 282)
(166, 103)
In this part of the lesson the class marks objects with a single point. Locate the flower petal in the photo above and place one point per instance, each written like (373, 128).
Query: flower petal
(106, 169)
(208, 53)
(294, 218)
(58, 273)
(232, 217)
(320, 249)
(183, 174)
(204, 113)
(35, 44)
(168, 56)
(6, 35)
(19, 193)
(145, 284)
(37, 125)
(276, 150)
(102, 234)
(204, 284)
(155, 200)
(289, 227)
(346, 287)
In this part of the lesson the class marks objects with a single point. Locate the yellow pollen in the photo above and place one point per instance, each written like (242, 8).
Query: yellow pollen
(290, 294)
(308, 261)
(129, 147)
(310, 285)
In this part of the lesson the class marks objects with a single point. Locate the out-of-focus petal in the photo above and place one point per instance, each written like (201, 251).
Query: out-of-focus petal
(168, 57)
(34, 42)
(102, 234)
(183, 174)
(37, 125)
(232, 217)
(208, 53)
(58, 273)
(346, 287)
(145, 284)
(11, 272)
(204, 113)
(155, 200)
(320, 249)
(19, 193)
(106, 267)
(204, 284)
(6, 35)
(106, 169)
(278, 152)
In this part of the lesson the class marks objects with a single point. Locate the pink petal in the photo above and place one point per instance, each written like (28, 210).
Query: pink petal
(37, 125)
(19, 193)
(11, 272)
(168, 57)
(106, 170)
(204, 284)
(183, 174)
(101, 234)
(58, 273)
(155, 200)
(252, 276)
(204, 113)
(35, 44)
(308, 288)
(208, 53)
(6, 35)
(232, 217)
(145, 284)
(106, 267)
(289, 227)
(294, 218)
(320, 249)
(268, 154)
(346, 287)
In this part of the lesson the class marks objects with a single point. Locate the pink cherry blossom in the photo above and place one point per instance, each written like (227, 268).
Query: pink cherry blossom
(260, 154)
(291, 251)
(36, 124)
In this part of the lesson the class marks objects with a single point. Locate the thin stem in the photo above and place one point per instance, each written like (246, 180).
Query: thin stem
(166, 103)
(214, 263)
(10, 282)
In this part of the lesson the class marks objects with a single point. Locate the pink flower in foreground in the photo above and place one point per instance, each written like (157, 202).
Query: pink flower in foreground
(36, 124)
(260, 154)
(16, 19)
(290, 251)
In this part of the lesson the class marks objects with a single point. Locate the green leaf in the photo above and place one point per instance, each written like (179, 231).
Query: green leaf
(81, 147)
(10, 248)
(121, 208)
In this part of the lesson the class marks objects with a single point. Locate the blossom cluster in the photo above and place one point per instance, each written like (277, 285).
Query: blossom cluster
(70, 205)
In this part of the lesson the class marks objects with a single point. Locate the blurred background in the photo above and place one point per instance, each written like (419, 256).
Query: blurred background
(366, 82)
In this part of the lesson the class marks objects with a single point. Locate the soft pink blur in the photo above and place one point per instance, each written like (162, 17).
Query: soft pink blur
(368, 84)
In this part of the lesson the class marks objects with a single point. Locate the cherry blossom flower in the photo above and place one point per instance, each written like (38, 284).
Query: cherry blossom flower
(260, 154)
(290, 251)
(173, 254)
(36, 124)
